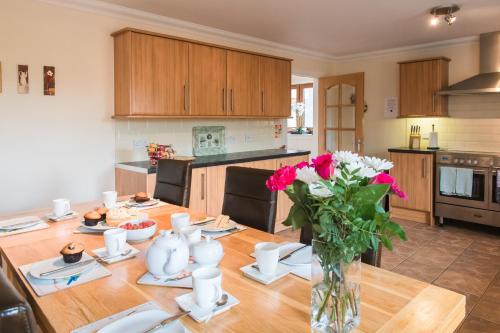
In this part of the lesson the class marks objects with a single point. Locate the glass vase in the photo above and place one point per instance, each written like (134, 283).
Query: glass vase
(335, 290)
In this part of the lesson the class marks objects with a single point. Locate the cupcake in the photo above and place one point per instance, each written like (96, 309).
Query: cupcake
(141, 197)
(92, 218)
(102, 211)
(72, 252)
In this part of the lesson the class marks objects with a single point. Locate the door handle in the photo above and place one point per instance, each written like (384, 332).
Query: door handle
(232, 100)
(358, 144)
(185, 104)
(433, 103)
(186, 97)
(424, 168)
(202, 186)
(262, 101)
(223, 99)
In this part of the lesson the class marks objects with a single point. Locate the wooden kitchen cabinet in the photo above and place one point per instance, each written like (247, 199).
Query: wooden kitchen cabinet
(243, 84)
(151, 75)
(207, 80)
(161, 76)
(275, 85)
(198, 193)
(414, 174)
(419, 82)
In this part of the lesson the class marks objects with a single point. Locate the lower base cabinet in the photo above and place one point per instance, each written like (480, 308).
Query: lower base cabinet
(207, 186)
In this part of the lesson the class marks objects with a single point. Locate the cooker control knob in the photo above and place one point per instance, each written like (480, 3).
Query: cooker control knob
(474, 162)
(469, 161)
(461, 161)
(455, 160)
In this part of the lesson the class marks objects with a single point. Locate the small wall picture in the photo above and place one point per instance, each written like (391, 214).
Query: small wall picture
(209, 140)
(23, 86)
(49, 80)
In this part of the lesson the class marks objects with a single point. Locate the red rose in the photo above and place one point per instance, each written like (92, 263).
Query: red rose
(281, 179)
(302, 165)
(385, 178)
(324, 166)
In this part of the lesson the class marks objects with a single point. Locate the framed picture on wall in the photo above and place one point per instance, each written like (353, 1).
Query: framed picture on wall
(23, 86)
(209, 140)
(49, 80)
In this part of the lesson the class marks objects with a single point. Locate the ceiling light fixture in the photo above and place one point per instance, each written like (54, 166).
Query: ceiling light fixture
(446, 11)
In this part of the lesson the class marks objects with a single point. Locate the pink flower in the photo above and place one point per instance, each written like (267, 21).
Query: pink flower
(302, 165)
(385, 178)
(324, 165)
(281, 179)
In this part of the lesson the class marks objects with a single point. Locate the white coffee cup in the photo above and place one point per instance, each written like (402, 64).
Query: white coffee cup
(114, 240)
(109, 198)
(267, 255)
(61, 207)
(207, 286)
(191, 234)
(179, 221)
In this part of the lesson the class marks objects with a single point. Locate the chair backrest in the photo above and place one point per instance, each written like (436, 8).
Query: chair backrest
(370, 257)
(15, 312)
(247, 200)
(173, 181)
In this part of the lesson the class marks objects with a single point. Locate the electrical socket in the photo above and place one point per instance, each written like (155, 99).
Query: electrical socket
(249, 138)
(231, 140)
(139, 144)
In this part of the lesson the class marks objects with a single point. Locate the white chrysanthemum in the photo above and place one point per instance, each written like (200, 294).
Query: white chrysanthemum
(346, 157)
(308, 175)
(320, 190)
(377, 164)
(361, 170)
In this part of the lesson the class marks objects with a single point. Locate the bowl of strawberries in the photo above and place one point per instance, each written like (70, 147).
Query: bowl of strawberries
(139, 230)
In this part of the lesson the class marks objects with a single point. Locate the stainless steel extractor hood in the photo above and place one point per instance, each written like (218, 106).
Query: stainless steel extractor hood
(488, 80)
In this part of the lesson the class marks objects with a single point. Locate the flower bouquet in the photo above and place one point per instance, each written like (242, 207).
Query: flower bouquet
(157, 152)
(340, 197)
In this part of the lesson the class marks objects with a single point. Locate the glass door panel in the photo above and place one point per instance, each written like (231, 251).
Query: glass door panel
(331, 140)
(348, 117)
(332, 117)
(332, 95)
(348, 94)
(348, 140)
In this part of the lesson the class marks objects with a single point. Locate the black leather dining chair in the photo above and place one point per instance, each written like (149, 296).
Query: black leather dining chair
(173, 181)
(15, 312)
(370, 257)
(247, 200)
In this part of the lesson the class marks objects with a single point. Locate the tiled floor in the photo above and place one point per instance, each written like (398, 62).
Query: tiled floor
(461, 257)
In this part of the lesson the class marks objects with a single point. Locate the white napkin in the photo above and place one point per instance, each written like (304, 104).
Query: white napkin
(448, 179)
(463, 184)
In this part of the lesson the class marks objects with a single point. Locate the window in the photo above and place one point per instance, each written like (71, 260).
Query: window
(302, 102)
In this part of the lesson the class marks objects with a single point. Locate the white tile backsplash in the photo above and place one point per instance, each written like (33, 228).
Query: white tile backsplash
(178, 132)
(474, 124)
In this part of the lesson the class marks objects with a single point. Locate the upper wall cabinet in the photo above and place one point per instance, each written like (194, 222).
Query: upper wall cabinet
(419, 82)
(159, 76)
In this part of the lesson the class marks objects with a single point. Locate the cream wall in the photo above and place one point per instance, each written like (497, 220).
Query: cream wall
(458, 132)
(64, 145)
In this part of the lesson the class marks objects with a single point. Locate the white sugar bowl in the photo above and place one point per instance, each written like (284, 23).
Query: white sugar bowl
(208, 252)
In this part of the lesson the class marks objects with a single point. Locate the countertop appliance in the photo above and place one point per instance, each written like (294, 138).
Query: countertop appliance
(483, 206)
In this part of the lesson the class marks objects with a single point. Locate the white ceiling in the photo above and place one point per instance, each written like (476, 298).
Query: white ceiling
(334, 27)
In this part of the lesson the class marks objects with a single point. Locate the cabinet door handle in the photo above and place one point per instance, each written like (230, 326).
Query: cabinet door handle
(202, 186)
(434, 103)
(232, 100)
(223, 99)
(262, 101)
(185, 94)
(424, 168)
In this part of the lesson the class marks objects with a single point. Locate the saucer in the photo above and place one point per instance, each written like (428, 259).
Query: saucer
(187, 303)
(179, 280)
(255, 274)
(100, 226)
(102, 252)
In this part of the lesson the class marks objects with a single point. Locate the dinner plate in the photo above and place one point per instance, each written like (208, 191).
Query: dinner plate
(212, 227)
(299, 258)
(54, 263)
(100, 226)
(149, 203)
(19, 223)
(142, 321)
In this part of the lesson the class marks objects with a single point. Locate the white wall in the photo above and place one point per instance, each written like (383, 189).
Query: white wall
(458, 132)
(64, 145)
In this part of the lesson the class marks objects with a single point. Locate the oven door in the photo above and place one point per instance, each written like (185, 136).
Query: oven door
(480, 190)
(494, 195)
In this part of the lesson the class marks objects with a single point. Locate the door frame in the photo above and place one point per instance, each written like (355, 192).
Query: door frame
(355, 79)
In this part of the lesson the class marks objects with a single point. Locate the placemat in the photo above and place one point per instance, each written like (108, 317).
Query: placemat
(44, 287)
(215, 235)
(97, 325)
(187, 282)
(40, 226)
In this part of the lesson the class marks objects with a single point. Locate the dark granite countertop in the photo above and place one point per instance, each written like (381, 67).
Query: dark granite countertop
(230, 158)
(413, 150)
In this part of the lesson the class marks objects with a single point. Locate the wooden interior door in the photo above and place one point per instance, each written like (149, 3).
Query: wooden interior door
(207, 80)
(243, 84)
(341, 105)
(275, 85)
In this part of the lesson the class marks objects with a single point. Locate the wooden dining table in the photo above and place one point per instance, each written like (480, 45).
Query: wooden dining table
(389, 302)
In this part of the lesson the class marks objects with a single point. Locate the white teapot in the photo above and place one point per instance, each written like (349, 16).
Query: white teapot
(168, 254)
(208, 252)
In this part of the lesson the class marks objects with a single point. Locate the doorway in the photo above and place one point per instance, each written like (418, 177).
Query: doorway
(341, 109)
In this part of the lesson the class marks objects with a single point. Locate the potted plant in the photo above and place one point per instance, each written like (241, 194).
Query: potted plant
(340, 196)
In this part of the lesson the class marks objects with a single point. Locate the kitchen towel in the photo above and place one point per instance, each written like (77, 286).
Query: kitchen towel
(497, 188)
(447, 180)
(463, 185)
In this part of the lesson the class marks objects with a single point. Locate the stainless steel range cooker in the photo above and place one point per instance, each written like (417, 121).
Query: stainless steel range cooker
(483, 206)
